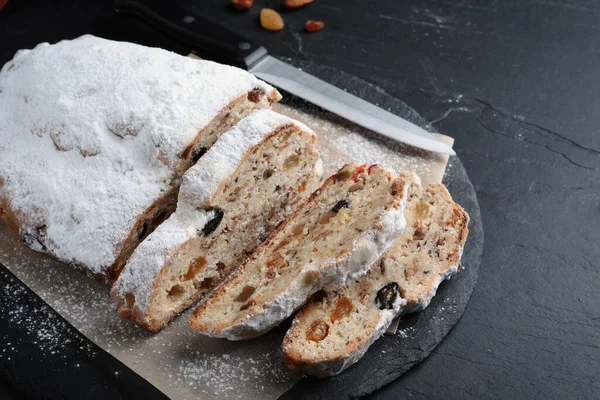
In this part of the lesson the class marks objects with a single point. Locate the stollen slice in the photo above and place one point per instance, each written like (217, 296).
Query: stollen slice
(335, 237)
(335, 328)
(229, 202)
(95, 136)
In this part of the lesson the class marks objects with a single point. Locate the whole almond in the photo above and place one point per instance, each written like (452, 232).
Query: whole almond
(271, 20)
(296, 3)
(242, 4)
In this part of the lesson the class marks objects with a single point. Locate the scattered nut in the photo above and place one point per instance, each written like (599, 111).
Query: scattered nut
(296, 3)
(271, 20)
(242, 4)
(314, 25)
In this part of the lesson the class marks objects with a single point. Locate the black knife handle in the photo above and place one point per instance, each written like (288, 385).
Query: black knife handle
(212, 41)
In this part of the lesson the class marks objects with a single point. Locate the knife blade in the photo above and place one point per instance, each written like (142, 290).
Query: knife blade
(217, 43)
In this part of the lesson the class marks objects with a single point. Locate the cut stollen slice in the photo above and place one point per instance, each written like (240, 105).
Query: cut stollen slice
(229, 202)
(95, 136)
(335, 328)
(335, 237)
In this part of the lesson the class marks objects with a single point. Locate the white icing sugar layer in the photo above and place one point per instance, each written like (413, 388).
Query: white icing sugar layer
(202, 180)
(91, 132)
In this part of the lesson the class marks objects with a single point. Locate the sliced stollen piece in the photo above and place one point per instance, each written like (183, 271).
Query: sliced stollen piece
(332, 239)
(229, 202)
(94, 138)
(335, 328)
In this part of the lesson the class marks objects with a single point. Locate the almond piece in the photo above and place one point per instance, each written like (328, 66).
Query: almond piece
(271, 20)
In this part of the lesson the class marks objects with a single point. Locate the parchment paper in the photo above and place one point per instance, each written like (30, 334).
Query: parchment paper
(178, 361)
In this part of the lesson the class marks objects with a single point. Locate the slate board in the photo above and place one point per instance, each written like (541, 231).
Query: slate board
(419, 333)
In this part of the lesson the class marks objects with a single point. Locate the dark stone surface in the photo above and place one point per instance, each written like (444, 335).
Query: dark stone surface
(516, 82)
(44, 357)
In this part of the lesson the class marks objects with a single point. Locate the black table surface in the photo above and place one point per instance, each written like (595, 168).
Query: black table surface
(516, 84)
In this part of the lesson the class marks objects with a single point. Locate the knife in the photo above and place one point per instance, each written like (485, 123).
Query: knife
(220, 44)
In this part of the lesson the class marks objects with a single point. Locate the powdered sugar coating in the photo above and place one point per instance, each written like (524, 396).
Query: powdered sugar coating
(199, 185)
(90, 134)
(202, 180)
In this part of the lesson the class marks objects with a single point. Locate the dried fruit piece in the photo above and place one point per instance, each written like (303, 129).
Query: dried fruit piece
(298, 230)
(387, 295)
(296, 3)
(326, 217)
(372, 168)
(356, 186)
(213, 223)
(314, 25)
(343, 308)
(242, 4)
(268, 173)
(271, 20)
(277, 261)
(317, 331)
(358, 171)
(245, 294)
(255, 95)
(342, 175)
(195, 268)
(339, 205)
